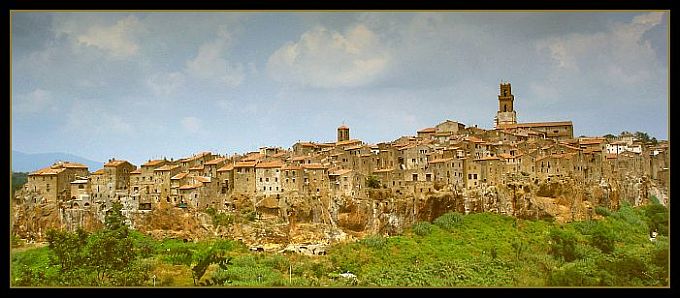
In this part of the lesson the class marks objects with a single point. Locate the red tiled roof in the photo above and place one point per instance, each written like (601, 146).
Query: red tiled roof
(225, 168)
(179, 176)
(314, 166)
(167, 168)
(216, 161)
(152, 163)
(115, 163)
(270, 164)
(426, 130)
(245, 164)
(440, 160)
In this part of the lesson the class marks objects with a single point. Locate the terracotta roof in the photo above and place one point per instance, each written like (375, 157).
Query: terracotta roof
(426, 130)
(297, 158)
(343, 127)
(245, 164)
(610, 156)
(339, 172)
(352, 141)
(197, 168)
(486, 158)
(137, 171)
(280, 154)
(473, 139)
(291, 167)
(383, 170)
(353, 147)
(191, 186)
(366, 155)
(215, 161)
(314, 166)
(197, 156)
(167, 168)
(252, 157)
(506, 156)
(308, 144)
(203, 179)
(115, 163)
(440, 160)
(72, 165)
(537, 124)
(179, 176)
(99, 172)
(270, 164)
(225, 168)
(152, 163)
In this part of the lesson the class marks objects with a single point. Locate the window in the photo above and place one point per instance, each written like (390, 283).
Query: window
(266, 179)
(81, 186)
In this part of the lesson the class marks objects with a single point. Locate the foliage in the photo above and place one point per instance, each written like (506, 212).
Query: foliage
(475, 250)
(602, 211)
(18, 180)
(372, 182)
(657, 218)
(220, 219)
(563, 244)
(422, 228)
(449, 220)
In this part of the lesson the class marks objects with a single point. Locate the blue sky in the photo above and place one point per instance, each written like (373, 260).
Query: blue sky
(138, 86)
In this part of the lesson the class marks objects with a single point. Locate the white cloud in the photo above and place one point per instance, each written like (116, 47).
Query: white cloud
(165, 84)
(616, 56)
(210, 63)
(34, 102)
(328, 59)
(116, 39)
(191, 124)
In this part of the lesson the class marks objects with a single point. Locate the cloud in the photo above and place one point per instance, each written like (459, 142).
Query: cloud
(165, 84)
(616, 56)
(116, 39)
(329, 59)
(34, 102)
(191, 124)
(210, 64)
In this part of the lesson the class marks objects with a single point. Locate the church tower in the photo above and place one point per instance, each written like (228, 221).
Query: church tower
(343, 133)
(506, 113)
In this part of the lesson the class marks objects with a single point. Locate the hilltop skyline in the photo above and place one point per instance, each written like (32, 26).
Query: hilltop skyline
(139, 86)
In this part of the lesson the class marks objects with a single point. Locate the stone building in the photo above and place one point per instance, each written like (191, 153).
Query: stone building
(52, 184)
(268, 178)
(244, 178)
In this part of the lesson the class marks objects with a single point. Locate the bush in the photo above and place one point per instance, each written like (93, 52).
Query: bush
(563, 244)
(603, 238)
(422, 228)
(376, 241)
(372, 182)
(602, 211)
(657, 218)
(449, 221)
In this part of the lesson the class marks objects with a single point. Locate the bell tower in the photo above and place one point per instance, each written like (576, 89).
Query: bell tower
(343, 133)
(506, 113)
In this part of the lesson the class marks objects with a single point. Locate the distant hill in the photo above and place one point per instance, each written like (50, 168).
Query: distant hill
(29, 162)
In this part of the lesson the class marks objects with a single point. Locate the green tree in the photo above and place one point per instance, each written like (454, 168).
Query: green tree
(372, 182)
(68, 247)
(563, 244)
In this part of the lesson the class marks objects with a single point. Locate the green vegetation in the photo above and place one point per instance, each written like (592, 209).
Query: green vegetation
(18, 180)
(475, 250)
(372, 182)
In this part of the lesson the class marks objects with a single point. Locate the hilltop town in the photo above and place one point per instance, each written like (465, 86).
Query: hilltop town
(348, 186)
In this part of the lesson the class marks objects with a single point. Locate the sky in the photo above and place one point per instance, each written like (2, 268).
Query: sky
(139, 86)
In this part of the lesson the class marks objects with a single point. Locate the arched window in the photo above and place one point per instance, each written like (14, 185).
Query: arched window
(505, 108)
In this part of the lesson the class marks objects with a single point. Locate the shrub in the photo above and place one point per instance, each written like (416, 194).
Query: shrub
(376, 241)
(449, 221)
(602, 211)
(657, 218)
(372, 182)
(603, 238)
(563, 244)
(422, 228)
